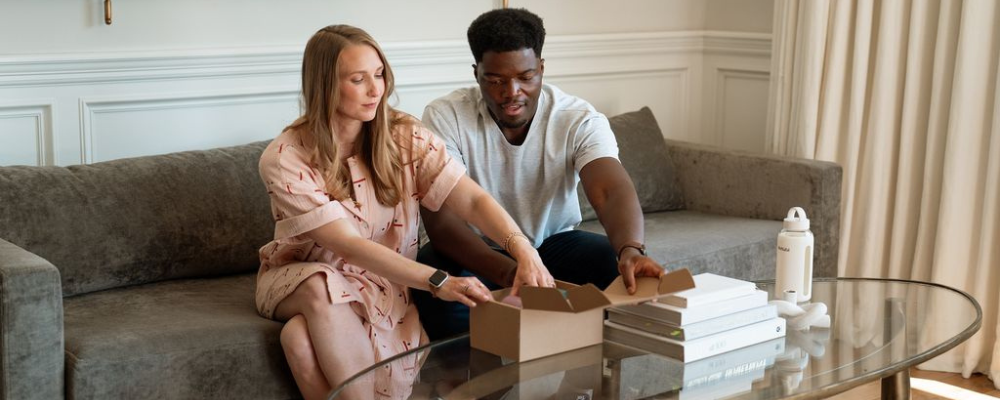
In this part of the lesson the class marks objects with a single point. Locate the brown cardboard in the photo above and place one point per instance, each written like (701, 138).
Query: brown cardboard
(549, 323)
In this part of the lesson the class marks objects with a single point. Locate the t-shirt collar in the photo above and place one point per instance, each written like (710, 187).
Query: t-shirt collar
(484, 112)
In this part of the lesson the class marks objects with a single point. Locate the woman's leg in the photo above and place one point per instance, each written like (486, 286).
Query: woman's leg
(302, 359)
(339, 339)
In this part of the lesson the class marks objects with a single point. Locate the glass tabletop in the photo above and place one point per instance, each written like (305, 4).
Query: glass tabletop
(879, 327)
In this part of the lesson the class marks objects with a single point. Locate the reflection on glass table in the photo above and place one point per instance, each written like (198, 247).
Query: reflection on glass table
(880, 328)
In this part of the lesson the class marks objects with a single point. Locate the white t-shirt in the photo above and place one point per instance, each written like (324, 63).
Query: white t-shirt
(536, 181)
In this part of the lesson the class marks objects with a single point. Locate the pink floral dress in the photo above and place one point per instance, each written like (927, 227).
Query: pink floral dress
(299, 205)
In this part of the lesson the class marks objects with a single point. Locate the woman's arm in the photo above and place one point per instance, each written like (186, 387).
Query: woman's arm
(477, 207)
(341, 237)
(451, 236)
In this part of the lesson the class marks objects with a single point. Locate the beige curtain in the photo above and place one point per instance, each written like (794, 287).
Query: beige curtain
(905, 96)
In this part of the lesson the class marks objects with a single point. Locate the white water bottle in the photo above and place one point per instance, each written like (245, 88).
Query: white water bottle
(795, 257)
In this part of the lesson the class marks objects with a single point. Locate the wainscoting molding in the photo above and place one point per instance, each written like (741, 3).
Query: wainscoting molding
(735, 88)
(734, 112)
(737, 43)
(96, 109)
(105, 106)
(668, 92)
(26, 132)
(84, 69)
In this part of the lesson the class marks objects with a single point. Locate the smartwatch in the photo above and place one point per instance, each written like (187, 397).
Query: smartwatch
(437, 279)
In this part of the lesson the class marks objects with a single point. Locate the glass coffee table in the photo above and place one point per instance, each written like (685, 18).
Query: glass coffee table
(880, 328)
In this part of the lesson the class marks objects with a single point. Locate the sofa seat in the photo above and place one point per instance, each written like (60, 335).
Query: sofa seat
(179, 339)
(742, 248)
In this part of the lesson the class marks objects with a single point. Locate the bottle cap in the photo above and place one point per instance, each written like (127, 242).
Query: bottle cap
(796, 222)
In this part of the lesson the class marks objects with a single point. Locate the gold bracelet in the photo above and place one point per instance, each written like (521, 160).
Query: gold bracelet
(507, 240)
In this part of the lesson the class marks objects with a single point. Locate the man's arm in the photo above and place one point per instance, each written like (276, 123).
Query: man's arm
(612, 194)
(452, 238)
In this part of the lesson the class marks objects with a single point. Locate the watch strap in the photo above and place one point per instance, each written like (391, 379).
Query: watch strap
(631, 244)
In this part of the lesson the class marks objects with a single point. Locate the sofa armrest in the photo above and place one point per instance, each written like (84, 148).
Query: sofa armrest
(762, 186)
(32, 354)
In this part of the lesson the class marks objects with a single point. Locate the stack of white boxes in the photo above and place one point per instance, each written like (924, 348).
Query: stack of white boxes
(719, 335)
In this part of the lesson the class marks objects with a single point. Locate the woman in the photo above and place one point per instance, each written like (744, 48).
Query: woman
(346, 180)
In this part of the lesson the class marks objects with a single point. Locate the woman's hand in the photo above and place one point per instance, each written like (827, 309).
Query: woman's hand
(531, 273)
(466, 290)
(530, 270)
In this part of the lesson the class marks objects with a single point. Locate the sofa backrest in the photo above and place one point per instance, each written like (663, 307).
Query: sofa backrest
(643, 153)
(140, 220)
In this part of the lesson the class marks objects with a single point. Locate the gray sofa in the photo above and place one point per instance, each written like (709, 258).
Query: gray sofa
(134, 279)
(713, 210)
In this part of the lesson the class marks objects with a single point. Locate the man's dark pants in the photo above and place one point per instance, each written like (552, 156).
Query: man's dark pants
(574, 256)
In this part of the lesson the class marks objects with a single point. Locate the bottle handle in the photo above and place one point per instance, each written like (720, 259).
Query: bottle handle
(792, 211)
(807, 274)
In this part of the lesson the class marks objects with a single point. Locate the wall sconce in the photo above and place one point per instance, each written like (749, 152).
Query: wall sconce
(107, 12)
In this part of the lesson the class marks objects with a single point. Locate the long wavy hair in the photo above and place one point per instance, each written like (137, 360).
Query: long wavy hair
(320, 99)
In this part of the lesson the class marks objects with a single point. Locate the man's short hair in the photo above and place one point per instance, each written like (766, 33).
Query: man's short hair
(505, 30)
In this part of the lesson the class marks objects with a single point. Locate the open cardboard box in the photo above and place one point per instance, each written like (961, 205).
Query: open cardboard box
(549, 323)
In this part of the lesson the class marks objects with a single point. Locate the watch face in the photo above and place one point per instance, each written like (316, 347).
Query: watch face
(438, 278)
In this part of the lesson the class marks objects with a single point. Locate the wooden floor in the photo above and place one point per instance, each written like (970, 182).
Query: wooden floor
(932, 385)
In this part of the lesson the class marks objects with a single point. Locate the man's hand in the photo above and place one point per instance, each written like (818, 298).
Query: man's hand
(633, 264)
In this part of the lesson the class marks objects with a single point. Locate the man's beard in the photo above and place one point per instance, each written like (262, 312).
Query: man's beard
(512, 125)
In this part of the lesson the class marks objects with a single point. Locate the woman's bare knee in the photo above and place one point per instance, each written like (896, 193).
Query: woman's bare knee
(309, 298)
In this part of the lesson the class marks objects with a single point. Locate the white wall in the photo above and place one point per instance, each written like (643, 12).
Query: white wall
(59, 26)
(190, 74)
(739, 15)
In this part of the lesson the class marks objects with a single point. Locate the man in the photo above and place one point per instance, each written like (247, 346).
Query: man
(526, 143)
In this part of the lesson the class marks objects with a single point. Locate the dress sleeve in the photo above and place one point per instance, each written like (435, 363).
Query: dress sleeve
(298, 202)
(436, 172)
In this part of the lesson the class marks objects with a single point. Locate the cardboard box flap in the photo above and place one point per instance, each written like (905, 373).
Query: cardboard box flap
(544, 298)
(649, 288)
(587, 297)
(676, 281)
(576, 299)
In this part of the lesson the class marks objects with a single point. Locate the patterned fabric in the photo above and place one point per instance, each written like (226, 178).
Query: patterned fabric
(299, 205)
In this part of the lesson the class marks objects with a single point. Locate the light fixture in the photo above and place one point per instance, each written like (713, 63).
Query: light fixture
(107, 12)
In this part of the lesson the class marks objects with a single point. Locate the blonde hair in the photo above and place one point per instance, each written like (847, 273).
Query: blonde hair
(320, 98)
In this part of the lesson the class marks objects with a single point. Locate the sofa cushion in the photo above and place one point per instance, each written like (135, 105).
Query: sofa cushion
(184, 339)
(741, 248)
(643, 153)
(140, 220)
